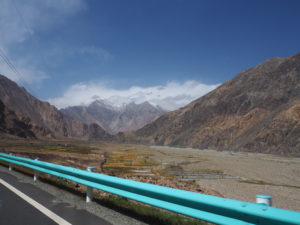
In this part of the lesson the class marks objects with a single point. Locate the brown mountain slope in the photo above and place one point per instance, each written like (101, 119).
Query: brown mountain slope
(135, 116)
(44, 119)
(11, 124)
(258, 110)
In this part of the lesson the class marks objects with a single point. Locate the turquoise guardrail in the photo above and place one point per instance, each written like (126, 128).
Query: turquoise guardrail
(205, 207)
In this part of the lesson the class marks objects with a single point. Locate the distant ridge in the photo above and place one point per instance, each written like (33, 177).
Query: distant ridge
(258, 111)
(130, 117)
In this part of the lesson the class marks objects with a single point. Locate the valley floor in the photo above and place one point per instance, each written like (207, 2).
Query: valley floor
(239, 175)
(233, 175)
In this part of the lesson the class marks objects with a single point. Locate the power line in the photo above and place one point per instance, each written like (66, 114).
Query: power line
(8, 62)
(11, 66)
(19, 76)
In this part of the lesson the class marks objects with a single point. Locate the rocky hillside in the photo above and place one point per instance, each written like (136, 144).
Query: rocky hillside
(258, 110)
(11, 124)
(43, 119)
(130, 117)
(135, 116)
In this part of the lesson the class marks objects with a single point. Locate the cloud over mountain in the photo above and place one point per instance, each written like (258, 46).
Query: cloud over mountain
(170, 96)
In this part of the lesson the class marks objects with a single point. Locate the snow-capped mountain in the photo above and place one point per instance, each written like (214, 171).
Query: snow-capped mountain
(116, 117)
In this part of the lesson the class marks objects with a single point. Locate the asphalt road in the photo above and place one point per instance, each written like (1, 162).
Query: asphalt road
(14, 210)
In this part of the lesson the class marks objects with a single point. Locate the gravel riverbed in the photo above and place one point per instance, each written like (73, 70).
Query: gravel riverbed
(238, 175)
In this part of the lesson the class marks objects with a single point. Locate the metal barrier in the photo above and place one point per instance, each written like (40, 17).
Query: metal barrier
(205, 207)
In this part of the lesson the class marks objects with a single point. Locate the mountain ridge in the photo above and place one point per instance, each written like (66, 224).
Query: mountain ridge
(258, 110)
(129, 117)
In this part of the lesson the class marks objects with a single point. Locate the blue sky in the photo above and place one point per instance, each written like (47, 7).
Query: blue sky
(70, 52)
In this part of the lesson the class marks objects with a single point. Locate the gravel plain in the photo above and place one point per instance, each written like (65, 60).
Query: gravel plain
(254, 173)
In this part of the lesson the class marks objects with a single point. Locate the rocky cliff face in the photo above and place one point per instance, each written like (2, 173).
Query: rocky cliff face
(127, 118)
(44, 119)
(11, 124)
(258, 110)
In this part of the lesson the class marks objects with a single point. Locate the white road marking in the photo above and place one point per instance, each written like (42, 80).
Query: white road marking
(37, 205)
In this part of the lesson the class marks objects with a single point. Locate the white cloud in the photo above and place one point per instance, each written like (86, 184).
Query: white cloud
(19, 21)
(171, 96)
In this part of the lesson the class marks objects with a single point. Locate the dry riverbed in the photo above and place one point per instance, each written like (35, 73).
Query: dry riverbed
(238, 176)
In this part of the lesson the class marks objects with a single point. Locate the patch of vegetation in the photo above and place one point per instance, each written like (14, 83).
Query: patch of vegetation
(127, 160)
(184, 163)
(165, 172)
(261, 182)
(148, 214)
(163, 153)
(211, 171)
(23, 170)
(46, 146)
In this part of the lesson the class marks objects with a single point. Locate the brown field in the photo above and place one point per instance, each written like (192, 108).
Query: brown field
(233, 175)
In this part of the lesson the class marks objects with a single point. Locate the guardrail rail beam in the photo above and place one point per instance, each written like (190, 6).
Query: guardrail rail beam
(205, 207)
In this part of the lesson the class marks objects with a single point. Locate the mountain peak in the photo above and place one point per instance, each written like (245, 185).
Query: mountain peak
(102, 103)
(129, 117)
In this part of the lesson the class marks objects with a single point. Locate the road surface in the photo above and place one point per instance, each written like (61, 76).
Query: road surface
(24, 203)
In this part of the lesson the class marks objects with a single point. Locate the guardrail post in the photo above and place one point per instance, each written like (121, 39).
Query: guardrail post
(89, 191)
(36, 173)
(264, 199)
(10, 167)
